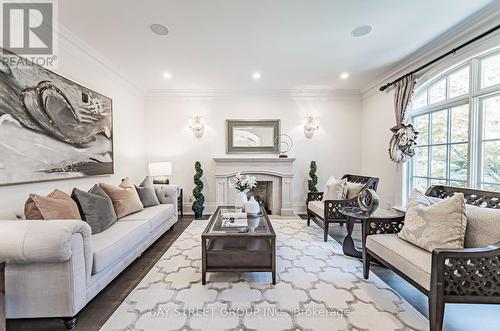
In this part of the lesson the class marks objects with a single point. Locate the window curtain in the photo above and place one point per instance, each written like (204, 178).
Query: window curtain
(404, 135)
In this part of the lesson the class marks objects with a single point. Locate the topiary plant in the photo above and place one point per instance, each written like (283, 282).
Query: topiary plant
(311, 183)
(199, 199)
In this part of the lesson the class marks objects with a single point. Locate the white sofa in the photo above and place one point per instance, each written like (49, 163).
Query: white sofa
(54, 268)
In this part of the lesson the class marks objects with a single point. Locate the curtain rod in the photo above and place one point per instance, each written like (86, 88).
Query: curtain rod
(453, 51)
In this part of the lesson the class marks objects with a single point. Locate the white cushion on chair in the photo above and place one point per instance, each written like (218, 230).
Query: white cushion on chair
(317, 207)
(411, 260)
(335, 189)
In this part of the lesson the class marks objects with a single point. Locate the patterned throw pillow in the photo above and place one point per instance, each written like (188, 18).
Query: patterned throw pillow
(429, 224)
(335, 189)
(55, 206)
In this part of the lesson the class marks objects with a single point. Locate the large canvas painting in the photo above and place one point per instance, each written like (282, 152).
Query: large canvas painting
(51, 127)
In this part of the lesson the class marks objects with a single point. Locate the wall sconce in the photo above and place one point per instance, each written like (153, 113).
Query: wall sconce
(312, 124)
(197, 124)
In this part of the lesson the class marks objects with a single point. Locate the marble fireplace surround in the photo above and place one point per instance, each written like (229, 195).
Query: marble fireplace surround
(279, 171)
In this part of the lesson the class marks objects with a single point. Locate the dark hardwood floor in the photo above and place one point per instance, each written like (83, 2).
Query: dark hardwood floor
(97, 311)
(94, 315)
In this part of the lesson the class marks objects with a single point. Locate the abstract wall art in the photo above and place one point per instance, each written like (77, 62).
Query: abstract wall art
(50, 127)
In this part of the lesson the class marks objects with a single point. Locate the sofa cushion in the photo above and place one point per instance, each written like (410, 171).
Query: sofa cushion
(57, 205)
(147, 195)
(116, 241)
(483, 226)
(155, 215)
(411, 260)
(431, 225)
(317, 207)
(95, 208)
(125, 199)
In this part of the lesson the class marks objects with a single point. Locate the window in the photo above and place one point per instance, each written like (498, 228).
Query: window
(457, 115)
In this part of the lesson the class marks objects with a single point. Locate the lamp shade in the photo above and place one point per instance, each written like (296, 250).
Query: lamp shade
(160, 169)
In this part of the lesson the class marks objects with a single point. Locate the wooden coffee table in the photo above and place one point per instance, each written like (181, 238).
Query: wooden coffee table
(232, 250)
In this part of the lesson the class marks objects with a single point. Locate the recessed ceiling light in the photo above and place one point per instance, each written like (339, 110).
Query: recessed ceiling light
(159, 29)
(344, 75)
(256, 75)
(167, 75)
(361, 31)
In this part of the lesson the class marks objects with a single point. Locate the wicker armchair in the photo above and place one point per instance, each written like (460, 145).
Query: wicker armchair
(467, 275)
(328, 211)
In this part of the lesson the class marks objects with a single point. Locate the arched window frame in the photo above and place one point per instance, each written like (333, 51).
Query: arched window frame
(474, 101)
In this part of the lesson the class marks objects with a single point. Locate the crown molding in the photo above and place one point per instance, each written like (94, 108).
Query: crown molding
(485, 19)
(337, 94)
(83, 47)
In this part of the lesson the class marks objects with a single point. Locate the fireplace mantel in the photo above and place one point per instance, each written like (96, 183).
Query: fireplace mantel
(277, 170)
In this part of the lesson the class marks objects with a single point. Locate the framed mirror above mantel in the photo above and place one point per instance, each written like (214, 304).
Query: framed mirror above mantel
(252, 136)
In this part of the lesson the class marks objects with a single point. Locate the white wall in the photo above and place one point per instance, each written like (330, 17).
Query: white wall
(335, 146)
(76, 62)
(378, 117)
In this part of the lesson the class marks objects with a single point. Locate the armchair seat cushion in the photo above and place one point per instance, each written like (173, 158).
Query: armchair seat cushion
(317, 207)
(411, 260)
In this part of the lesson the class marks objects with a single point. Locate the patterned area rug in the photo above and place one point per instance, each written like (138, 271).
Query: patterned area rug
(318, 288)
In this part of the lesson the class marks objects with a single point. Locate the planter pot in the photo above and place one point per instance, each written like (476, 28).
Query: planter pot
(240, 200)
(198, 214)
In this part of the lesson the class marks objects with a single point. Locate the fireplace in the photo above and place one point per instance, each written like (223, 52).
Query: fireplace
(263, 193)
(276, 172)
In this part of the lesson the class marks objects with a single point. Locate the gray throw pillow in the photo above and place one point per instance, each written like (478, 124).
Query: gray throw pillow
(96, 208)
(148, 196)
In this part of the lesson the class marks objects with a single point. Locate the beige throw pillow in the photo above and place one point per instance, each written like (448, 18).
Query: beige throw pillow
(55, 206)
(482, 226)
(353, 189)
(335, 189)
(125, 199)
(430, 224)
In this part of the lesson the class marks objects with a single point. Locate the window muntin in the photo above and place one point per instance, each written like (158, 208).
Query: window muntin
(490, 70)
(490, 142)
(449, 112)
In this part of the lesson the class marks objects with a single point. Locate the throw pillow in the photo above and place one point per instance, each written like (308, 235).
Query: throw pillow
(429, 224)
(482, 226)
(147, 182)
(125, 200)
(95, 207)
(353, 189)
(55, 206)
(148, 196)
(126, 183)
(335, 189)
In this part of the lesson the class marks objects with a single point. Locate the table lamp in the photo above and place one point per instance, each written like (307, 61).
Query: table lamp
(159, 171)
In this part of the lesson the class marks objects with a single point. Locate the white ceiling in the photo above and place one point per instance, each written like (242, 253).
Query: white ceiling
(218, 44)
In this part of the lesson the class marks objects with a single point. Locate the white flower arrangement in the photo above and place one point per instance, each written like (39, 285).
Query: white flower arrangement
(243, 183)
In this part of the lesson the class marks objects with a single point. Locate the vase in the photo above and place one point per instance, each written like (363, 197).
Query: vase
(253, 222)
(240, 200)
(252, 206)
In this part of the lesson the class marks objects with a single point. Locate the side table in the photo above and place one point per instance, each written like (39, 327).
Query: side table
(355, 215)
(180, 201)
